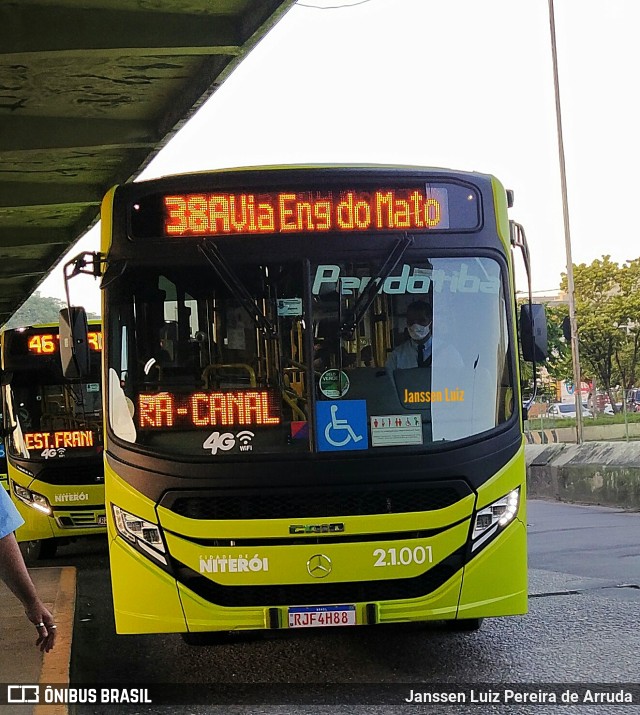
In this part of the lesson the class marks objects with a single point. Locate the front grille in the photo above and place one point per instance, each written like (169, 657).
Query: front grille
(314, 503)
(320, 593)
(78, 520)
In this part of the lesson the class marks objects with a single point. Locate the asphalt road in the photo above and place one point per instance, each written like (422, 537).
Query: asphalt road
(582, 629)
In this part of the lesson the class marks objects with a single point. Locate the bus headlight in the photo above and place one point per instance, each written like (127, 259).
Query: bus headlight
(33, 499)
(493, 518)
(143, 534)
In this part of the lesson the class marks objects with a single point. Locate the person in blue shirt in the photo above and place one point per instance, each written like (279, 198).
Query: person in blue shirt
(13, 571)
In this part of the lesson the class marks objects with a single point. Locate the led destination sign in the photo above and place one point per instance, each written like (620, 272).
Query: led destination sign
(217, 214)
(208, 409)
(68, 439)
(49, 343)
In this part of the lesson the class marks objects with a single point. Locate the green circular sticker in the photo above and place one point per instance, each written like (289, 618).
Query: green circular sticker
(334, 383)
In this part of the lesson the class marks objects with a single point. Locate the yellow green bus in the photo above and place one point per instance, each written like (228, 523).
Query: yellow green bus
(53, 440)
(273, 457)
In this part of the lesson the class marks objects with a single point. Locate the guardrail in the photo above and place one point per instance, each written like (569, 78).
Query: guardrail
(548, 431)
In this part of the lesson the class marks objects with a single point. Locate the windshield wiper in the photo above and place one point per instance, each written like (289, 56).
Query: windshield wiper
(236, 287)
(366, 298)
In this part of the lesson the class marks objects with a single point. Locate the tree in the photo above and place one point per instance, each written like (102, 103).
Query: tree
(628, 353)
(38, 309)
(608, 318)
(559, 364)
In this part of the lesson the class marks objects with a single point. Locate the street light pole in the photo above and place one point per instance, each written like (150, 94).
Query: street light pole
(577, 381)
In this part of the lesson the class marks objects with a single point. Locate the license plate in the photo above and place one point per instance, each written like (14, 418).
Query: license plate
(318, 616)
(101, 519)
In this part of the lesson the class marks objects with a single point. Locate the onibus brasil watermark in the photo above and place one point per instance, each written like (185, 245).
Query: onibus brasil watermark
(51, 694)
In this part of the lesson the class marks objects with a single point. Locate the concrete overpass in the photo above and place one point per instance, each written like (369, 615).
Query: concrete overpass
(90, 91)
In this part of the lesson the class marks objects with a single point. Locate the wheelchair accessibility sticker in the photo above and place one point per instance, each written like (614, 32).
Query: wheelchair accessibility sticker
(342, 425)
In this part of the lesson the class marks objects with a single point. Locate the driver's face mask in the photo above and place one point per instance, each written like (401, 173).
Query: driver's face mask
(418, 332)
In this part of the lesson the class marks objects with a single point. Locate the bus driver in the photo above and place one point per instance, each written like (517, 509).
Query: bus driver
(417, 350)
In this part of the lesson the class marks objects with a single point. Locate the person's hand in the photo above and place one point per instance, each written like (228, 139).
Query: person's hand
(42, 619)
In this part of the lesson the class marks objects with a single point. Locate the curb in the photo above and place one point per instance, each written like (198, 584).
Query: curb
(55, 666)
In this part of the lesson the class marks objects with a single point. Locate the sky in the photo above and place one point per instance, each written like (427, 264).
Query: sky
(462, 84)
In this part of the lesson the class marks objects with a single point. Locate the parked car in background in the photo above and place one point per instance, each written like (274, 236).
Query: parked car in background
(562, 411)
(633, 400)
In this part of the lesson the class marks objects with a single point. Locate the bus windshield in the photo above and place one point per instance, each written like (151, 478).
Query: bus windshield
(53, 417)
(233, 357)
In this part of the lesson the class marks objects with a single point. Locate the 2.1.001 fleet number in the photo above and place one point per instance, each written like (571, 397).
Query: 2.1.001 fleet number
(403, 557)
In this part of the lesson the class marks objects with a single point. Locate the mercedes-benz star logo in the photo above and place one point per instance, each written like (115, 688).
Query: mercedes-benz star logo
(319, 566)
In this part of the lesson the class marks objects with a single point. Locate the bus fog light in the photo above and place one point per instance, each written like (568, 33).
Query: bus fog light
(494, 517)
(143, 534)
(33, 499)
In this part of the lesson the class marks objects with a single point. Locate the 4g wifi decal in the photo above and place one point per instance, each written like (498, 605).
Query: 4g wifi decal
(226, 441)
(244, 440)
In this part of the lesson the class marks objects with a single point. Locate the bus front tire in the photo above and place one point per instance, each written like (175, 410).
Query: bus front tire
(38, 550)
(465, 624)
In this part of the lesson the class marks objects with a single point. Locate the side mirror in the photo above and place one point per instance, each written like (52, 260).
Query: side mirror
(5, 430)
(5, 379)
(533, 332)
(74, 342)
